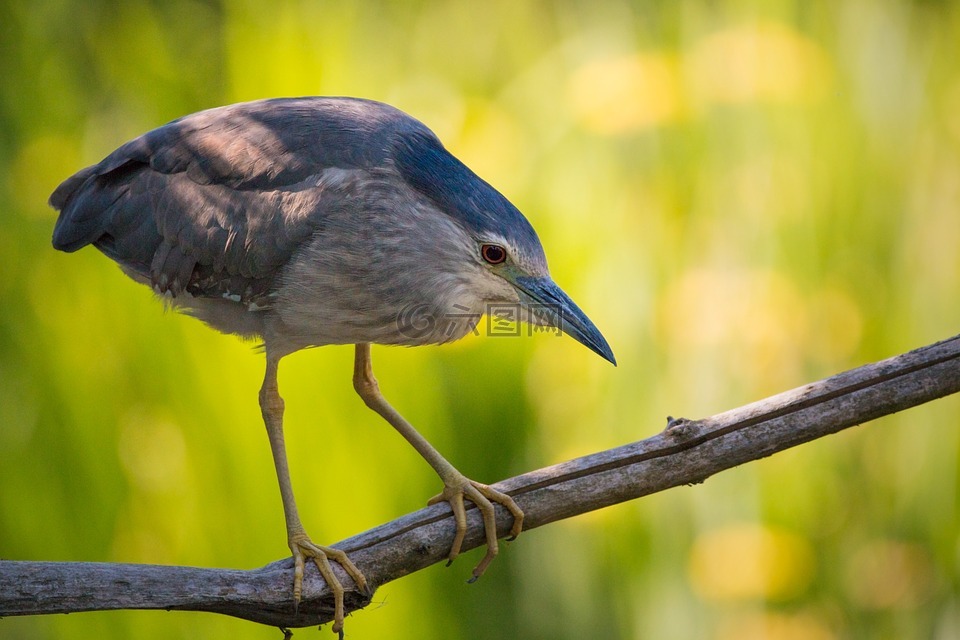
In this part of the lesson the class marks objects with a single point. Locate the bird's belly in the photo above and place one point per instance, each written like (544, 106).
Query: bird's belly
(222, 314)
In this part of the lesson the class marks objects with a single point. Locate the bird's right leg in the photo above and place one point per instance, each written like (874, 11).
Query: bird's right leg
(457, 486)
(271, 405)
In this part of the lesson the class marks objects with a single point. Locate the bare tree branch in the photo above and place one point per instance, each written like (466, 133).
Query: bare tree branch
(688, 451)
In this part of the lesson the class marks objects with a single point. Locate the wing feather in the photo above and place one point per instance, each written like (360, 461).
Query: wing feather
(217, 202)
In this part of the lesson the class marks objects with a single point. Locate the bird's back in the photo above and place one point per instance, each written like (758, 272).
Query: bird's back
(215, 203)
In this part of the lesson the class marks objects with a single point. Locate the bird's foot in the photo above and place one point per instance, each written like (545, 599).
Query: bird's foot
(303, 548)
(458, 487)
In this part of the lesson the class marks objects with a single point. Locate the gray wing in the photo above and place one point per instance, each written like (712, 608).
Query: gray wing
(216, 203)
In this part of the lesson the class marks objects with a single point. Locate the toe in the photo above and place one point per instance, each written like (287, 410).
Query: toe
(460, 517)
(297, 576)
(510, 505)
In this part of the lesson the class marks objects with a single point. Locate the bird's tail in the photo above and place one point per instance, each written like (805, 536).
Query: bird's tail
(81, 218)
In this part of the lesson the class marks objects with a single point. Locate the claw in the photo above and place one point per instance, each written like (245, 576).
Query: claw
(454, 492)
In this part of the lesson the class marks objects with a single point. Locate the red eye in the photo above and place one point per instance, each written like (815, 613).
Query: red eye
(493, 253)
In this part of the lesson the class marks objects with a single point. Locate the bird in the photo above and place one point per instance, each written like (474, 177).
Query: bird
(313, 221)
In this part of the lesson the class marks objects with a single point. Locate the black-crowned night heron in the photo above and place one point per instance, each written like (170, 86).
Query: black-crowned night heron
(315, 221)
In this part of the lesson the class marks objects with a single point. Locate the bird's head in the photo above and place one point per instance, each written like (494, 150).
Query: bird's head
(506, 262)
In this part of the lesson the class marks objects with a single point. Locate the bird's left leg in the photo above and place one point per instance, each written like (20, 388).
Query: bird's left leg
(456, 485)
(302, 547)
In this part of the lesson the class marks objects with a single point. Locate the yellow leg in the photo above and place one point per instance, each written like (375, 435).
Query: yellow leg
(456, 485)
(271, 405)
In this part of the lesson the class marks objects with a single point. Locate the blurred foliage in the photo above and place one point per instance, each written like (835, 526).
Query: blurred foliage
(745, 196)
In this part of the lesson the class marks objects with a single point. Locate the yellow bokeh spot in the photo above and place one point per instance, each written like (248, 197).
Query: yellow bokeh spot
(763, 62)
(494, 144)
(774, 626)
(759, 322)
(706, 307)
(433, 101)
(152, 452)
(756, 320)
(750, 561)
(886, 574)
(626, 93)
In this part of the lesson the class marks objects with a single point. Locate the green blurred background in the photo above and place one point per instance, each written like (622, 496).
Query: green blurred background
(744, 196)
